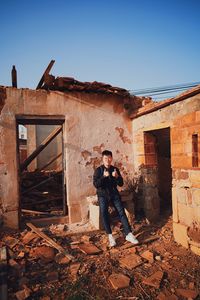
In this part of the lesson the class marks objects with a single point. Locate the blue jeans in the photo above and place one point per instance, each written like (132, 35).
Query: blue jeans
(116, 201)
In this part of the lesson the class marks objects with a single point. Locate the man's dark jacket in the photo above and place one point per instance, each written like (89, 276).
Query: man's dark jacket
(107, 185)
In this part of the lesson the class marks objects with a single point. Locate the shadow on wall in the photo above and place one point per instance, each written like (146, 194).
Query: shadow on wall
(144, 185)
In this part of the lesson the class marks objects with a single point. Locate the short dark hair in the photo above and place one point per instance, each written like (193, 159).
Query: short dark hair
(107, 153)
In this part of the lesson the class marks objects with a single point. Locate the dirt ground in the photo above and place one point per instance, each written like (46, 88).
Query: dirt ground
(37, 271)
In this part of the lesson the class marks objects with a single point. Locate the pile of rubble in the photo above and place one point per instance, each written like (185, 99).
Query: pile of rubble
(62, 262)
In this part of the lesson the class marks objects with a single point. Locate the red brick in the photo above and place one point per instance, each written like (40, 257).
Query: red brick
(154, 280)
(189, 294)
(119, 281)
(131, 261)
(182, 175)
(181, 161)
(177, 148)
(188, 119)
(197, 116)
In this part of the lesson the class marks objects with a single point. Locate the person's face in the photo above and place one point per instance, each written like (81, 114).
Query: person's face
(107, 160)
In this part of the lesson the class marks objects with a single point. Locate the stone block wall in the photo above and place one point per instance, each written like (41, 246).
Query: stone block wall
(186, 179)
(183, 120)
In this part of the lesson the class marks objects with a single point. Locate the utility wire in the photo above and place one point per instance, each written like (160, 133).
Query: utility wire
(171, 88)
(167, 92)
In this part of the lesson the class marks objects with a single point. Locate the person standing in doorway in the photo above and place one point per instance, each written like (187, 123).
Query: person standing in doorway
(106, 179)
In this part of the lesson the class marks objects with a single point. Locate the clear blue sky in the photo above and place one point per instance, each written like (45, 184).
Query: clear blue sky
(128, 43)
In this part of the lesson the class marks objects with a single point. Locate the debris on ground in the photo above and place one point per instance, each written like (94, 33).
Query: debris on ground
(68, 262)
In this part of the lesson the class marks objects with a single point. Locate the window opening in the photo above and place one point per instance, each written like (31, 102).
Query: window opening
(195, 159)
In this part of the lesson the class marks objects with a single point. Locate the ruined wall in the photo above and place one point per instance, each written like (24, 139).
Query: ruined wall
(183, 119)
(93, 122)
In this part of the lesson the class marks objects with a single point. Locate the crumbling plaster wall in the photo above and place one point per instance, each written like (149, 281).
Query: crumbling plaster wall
(93, 122)
(183, 119)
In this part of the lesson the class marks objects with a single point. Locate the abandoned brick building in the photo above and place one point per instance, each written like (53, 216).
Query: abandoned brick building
(158, 141)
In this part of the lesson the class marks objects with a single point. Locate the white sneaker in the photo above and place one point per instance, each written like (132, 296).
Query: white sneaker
(112, 240)
(131, 238)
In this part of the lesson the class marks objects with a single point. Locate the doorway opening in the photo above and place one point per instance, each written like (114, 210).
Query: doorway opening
(42, 187)
(158, 156)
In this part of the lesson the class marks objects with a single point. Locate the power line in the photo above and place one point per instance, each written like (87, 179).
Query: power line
(166, 89)
(167, 92)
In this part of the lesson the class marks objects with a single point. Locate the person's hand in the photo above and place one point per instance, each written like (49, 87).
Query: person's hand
(115, 174)
(106, 173)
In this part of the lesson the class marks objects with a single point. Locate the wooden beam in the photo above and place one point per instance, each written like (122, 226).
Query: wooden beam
(45, 73)
(34, 212)
(3, 274)
(14, 77)
(49, 162)
(37, 185)
(36, 202)
(43, 145)
(50, 241)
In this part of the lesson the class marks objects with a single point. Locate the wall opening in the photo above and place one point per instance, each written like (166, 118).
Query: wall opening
(158, 158)
(195, 158)
(40, 156)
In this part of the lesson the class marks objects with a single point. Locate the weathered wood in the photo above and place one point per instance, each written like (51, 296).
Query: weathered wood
(49, 162)
(14, 77)
(37, 185)
(49, 241)
(36, 202)
(3, 274)
(41, 222)
(45, 73)
(43, 145)
(28, 211)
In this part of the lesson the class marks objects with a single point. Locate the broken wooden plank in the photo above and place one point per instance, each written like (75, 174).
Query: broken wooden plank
(37, 185)
(49, 241)
(43, 201)
(28, 211)
(3, 274)
(149, 240)
(45, 73)
(49, 163)
(43, 145)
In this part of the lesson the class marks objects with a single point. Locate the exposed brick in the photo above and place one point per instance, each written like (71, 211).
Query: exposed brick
(177, 136)
(195, 178)
(181, 161)
(180, 234)
(188, 119)
(197, 116)
(182, 175)
(187, 147)
(177, 148)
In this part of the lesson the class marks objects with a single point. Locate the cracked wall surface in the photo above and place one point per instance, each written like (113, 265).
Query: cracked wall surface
(89, 128)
